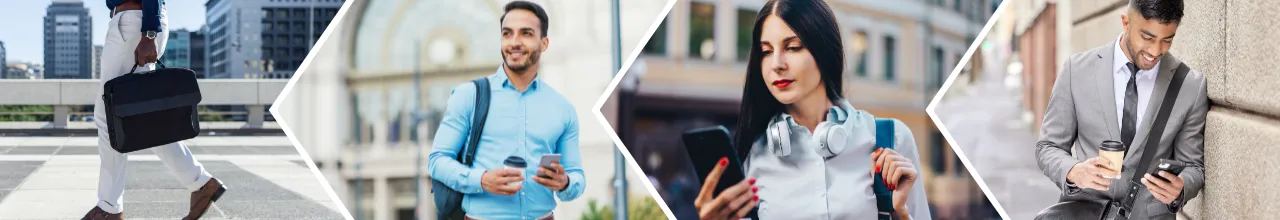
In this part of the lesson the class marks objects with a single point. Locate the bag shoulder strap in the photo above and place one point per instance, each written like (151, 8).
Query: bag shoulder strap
(1157, 129)
(884, 197)
(478, 116)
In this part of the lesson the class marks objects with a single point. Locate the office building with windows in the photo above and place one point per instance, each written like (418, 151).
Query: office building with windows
(263, 38)
(68, 45)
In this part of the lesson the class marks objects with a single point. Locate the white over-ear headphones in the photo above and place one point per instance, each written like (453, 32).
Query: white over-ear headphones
(831, 136)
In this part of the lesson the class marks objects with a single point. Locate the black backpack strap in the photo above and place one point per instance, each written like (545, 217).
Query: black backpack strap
(478, 116)
(1153, 138)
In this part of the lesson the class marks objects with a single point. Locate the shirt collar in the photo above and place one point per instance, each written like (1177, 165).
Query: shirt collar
(500, 79)
(838, 113)
(1120, 61)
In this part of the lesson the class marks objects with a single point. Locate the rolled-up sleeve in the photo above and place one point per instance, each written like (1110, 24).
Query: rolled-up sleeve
(572, 161)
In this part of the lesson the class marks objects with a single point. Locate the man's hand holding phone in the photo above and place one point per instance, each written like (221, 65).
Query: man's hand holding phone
(1092, 174)
(552, 176)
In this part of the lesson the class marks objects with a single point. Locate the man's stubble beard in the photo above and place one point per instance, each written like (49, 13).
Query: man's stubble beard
(533, 58)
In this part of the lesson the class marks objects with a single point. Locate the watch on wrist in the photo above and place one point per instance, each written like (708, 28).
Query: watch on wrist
(150, 34)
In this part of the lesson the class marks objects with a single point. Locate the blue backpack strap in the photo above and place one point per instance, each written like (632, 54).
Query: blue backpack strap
(884, 196)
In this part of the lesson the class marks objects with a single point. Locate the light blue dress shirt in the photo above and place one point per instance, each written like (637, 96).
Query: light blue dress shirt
(804, 185)
(529, 124)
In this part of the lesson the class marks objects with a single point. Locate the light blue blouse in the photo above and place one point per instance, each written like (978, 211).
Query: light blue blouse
(803, 185)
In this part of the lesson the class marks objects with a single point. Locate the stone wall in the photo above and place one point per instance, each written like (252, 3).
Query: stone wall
(1232, 42)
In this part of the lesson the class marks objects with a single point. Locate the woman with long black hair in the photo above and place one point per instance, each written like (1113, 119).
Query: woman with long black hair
(808, 153)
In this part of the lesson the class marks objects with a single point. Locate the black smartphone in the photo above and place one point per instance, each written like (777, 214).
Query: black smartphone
(705, 147)
(1172, 166)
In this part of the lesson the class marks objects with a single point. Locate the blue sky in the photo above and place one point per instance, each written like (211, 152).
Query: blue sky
(21, 27)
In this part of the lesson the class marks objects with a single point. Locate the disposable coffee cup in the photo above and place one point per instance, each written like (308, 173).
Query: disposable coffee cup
(517, 163)
(1113, 151)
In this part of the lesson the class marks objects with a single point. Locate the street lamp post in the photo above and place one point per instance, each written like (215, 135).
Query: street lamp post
(619, 161)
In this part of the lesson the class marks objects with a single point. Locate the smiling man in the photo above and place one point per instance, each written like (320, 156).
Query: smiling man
(526, 119)
(1114, 93)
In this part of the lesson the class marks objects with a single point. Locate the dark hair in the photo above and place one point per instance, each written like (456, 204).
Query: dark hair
(815, 25)
(528, 6)
(1164, 11)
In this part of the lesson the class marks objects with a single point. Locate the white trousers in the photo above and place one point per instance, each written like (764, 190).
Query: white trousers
(123, 35)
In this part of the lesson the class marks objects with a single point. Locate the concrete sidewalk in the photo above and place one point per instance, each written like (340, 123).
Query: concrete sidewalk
(985, 122)
(56, 178)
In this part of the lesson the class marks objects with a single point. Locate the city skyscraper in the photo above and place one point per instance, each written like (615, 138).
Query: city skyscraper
(263, 39)
(3, 65)
(185, 49)
(97, 61)
(68, 46)
(177, 51)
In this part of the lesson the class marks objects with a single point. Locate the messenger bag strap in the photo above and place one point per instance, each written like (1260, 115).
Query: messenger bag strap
(1153, 138)
(478, 116)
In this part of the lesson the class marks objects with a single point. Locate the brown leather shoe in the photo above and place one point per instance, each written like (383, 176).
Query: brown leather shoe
(202, 199)
(98, 214)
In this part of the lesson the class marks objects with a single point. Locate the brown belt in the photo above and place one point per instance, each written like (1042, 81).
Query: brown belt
(549, 216)
(126, 6)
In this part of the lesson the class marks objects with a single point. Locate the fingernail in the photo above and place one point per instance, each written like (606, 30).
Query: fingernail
(755, 198)
(877, 168)
(723, 161)
(755, 189)
(751, 181)
(891, 187)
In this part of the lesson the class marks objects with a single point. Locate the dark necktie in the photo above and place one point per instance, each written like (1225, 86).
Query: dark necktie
(1128, 122)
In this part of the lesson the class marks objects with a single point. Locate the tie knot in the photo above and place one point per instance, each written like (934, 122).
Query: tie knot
(1133, 68)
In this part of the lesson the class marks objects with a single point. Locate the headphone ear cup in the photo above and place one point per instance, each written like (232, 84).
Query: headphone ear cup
(832, 139)
(780, 138)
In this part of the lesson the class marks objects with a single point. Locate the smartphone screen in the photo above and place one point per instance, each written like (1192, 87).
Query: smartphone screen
(705, 147)
(546, 161)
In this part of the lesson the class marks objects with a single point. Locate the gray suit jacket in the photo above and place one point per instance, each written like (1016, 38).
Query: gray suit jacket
(1082, 113)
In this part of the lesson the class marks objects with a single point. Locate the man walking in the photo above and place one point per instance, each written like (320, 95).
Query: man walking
(136, 38)
(527, 119)
(1114, 92)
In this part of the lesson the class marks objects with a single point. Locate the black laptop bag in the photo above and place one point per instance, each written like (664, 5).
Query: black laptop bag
(152, 108)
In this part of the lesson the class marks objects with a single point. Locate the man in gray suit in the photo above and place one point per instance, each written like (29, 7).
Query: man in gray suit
(1113, 93)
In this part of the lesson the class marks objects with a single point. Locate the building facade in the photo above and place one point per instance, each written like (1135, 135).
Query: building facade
(263, 38)
(68, 45)
(97, 62)
(177, 51)
(3, 61)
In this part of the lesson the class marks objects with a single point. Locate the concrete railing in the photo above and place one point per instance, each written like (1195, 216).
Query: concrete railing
(256, 94)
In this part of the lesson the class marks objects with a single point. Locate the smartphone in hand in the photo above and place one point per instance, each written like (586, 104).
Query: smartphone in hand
(546, 161)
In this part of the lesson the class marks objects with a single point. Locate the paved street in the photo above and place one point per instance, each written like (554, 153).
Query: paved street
(56, 178)
(984, 119)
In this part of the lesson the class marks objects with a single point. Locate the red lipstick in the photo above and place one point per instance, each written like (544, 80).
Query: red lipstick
(782, 83)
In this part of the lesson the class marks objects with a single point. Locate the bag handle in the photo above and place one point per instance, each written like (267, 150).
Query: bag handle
(1153, 137)
(478, 116)
(158, 62)
(884, 197)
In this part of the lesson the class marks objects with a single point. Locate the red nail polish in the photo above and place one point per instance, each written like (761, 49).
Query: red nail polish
(755, 189)
(723, 161)
(755, 198)
(877, 168)
(891, 187)
(751, 181)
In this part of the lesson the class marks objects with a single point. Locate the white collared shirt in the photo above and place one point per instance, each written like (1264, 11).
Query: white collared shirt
(1146, 82)
(804, 185)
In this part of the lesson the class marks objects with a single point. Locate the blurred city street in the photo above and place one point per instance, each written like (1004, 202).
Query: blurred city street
(57, 178)
(985, 119)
